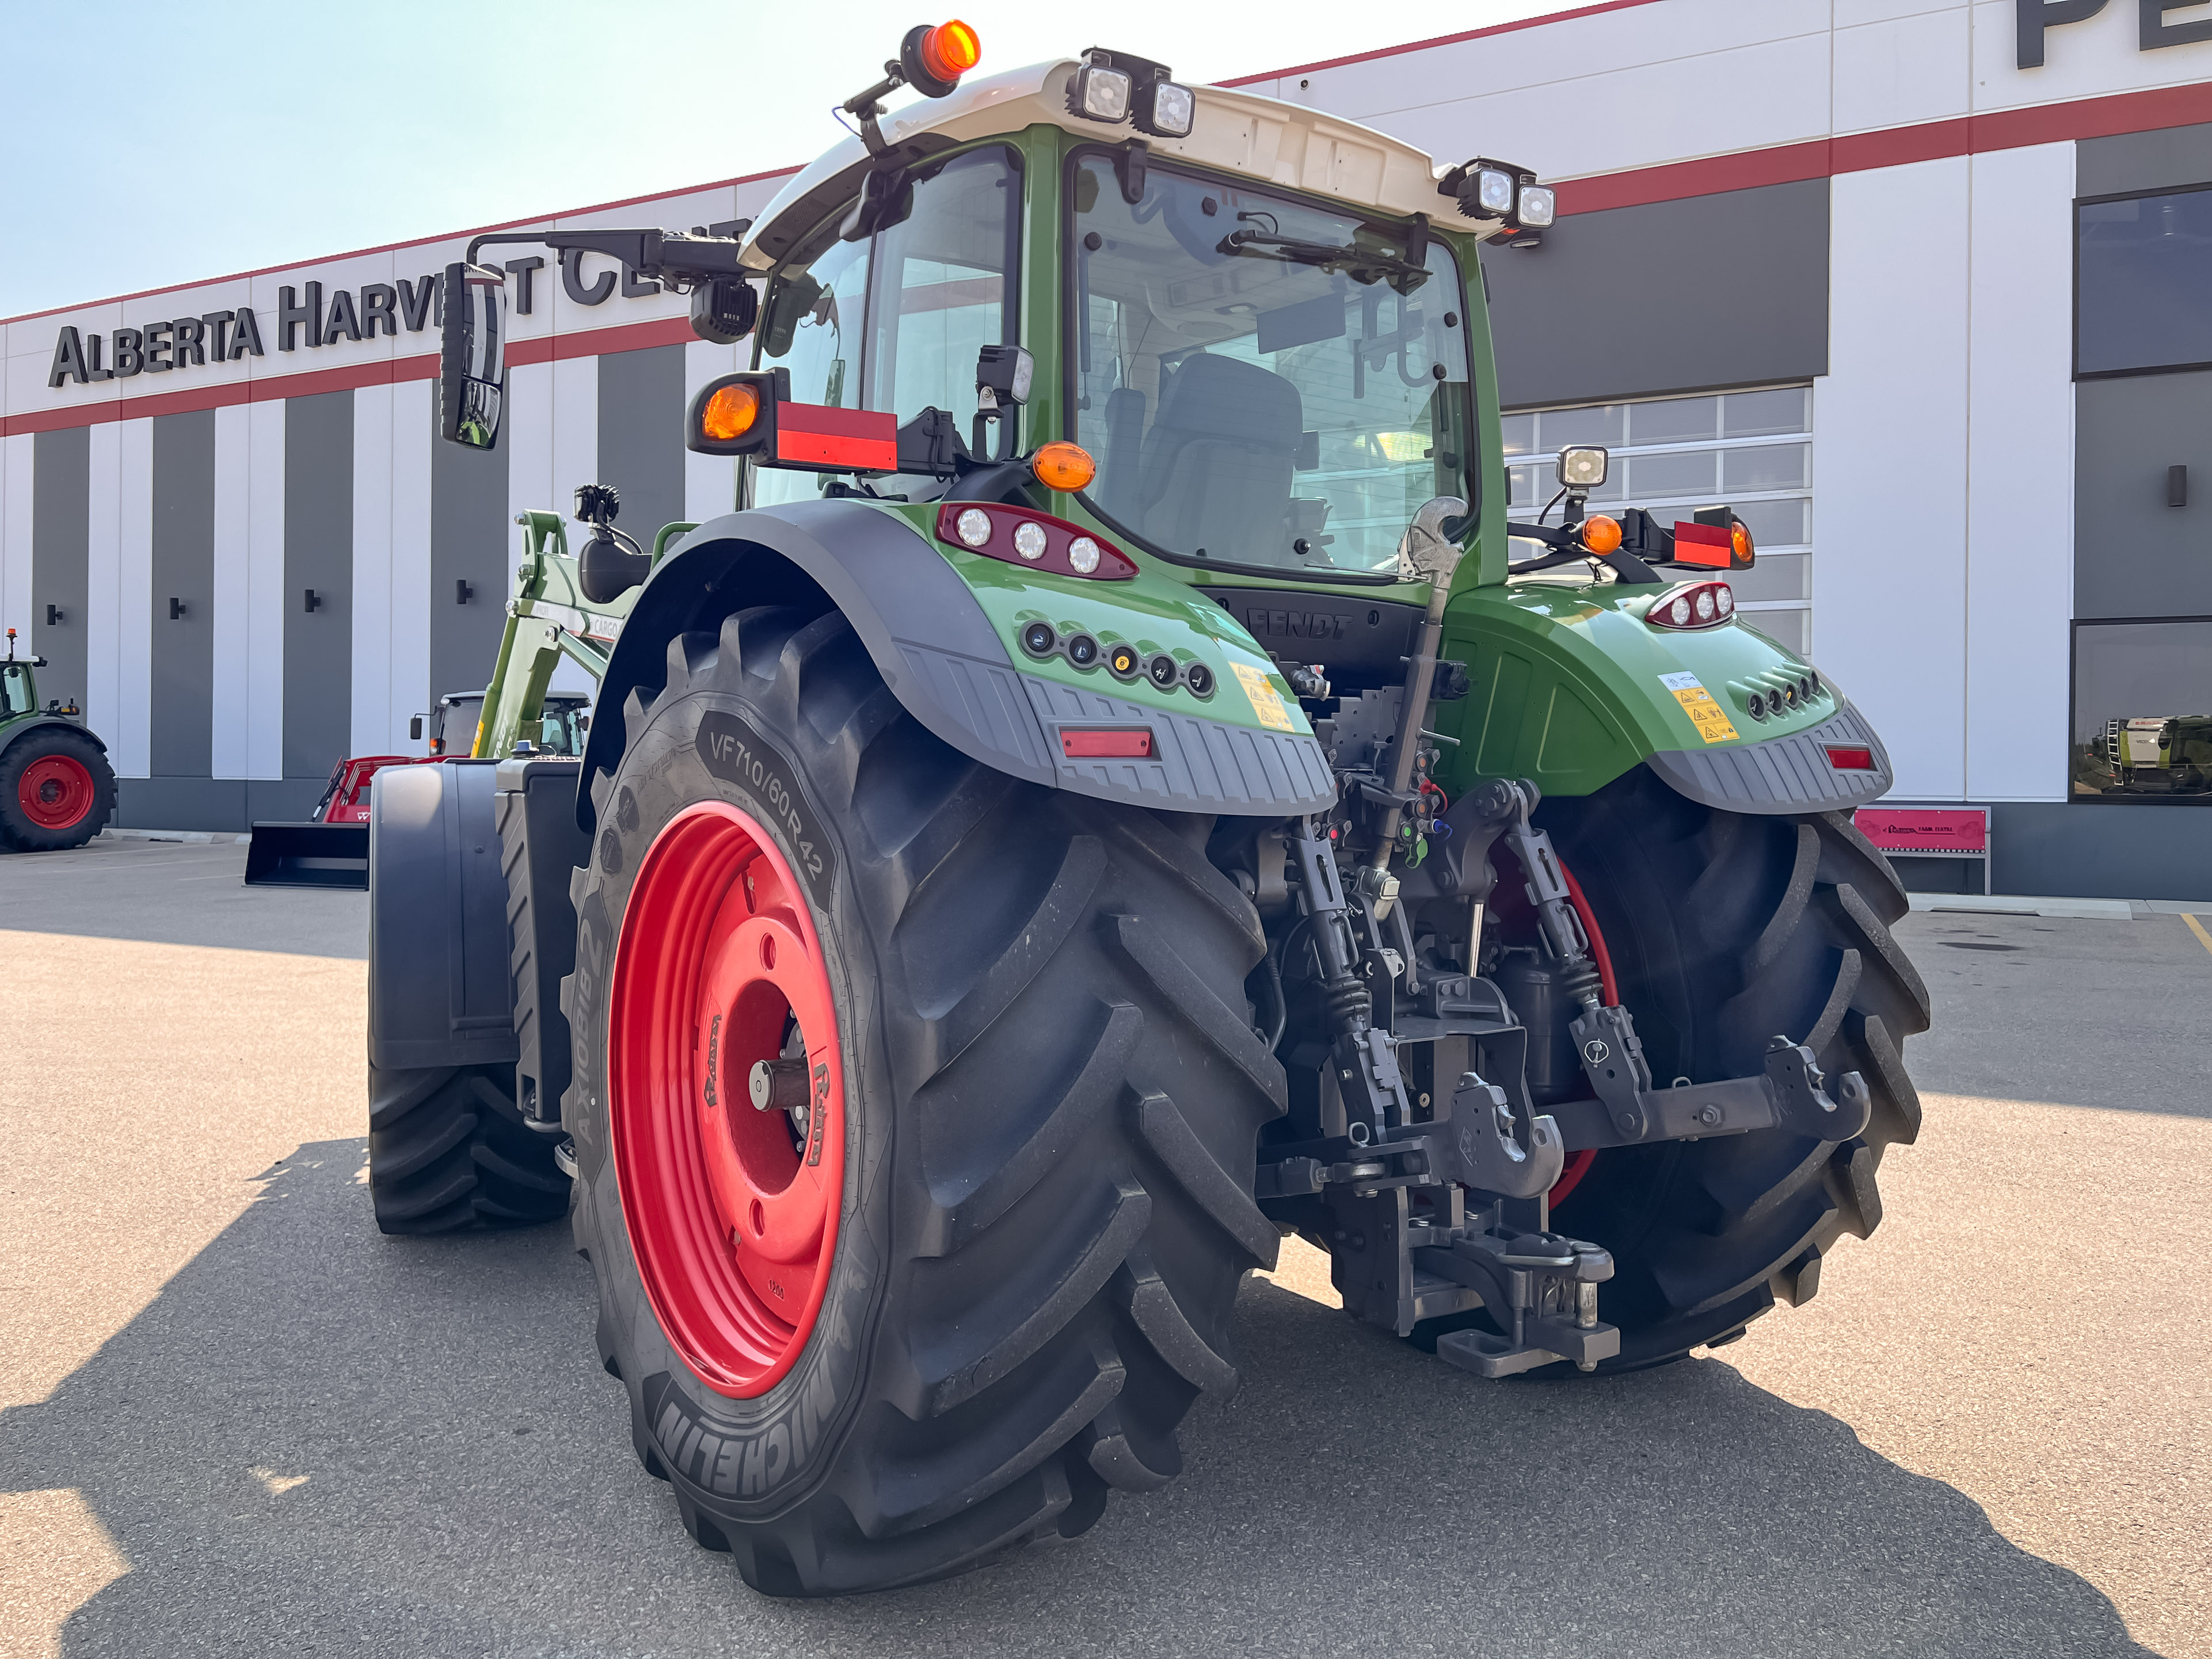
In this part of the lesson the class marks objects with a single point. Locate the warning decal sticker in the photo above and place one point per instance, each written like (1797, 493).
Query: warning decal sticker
(1709, 717)
(1266, 702)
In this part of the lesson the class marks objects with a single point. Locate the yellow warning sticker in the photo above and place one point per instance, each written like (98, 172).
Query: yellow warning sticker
(1266, 702)
(1709, 717)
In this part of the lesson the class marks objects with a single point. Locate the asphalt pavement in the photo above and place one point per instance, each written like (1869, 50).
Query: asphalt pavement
(235, 1419)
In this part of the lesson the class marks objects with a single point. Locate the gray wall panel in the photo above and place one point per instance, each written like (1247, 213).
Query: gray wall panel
(318, 554)
(2143, 161)
(1722, 290)
(641, 437)
(472, 540)
(181, 733)
(2133, 554)
(61, 509)
(159, 803)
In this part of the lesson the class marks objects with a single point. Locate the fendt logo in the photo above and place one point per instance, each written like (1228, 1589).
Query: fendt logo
(1295, 625)
(2152, 30)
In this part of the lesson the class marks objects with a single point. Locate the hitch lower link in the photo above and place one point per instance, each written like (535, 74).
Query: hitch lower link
(1790, 1093)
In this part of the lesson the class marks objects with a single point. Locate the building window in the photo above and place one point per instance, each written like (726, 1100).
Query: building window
(2142, 711)
(2142, 268)
(1752, 450)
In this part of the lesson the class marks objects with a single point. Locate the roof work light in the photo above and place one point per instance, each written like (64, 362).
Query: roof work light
(1500, 191)
(1114, 86)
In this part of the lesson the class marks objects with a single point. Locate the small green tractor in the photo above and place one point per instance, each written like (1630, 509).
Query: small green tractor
(56, 786)
(1116, 791)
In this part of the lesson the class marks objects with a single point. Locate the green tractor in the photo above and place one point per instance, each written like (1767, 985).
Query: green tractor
(1113, 795)
(56, 786)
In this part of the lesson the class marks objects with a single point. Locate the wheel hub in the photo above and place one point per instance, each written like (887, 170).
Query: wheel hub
(55, 791)
(727, 1097)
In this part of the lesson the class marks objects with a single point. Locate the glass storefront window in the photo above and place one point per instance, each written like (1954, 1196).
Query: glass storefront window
(1752, 450)
(2142, 270)
(2142, 711)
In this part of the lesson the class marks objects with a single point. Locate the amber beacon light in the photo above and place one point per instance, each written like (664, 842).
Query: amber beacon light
(949, 51)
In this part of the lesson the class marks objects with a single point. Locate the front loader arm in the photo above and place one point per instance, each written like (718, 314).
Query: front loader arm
(548, 617)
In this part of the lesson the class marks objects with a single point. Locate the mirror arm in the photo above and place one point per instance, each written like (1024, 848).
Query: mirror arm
(662, 255)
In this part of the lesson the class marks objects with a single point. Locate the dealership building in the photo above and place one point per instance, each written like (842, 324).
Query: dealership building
(1923, 287)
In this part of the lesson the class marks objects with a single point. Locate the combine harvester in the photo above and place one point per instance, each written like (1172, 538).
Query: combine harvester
(1108, 797)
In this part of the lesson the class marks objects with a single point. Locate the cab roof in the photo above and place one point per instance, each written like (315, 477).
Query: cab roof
(1264, 139)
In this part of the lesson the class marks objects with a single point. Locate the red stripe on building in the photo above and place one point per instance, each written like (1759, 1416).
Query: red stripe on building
(1925, 141)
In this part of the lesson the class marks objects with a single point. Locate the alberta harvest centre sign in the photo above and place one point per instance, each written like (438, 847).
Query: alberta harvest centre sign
(306, 317)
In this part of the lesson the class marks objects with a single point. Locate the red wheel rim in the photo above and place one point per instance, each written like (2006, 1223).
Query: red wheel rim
(1578, 1162)
(55, 792)
(732, 1215)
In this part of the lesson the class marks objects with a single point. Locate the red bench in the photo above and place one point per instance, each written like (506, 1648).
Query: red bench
(1936, 832)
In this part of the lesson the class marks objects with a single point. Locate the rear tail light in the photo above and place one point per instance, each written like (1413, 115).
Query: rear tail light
(1693, 605)
(1023, 536)
(1850, 757)
(1134, 743)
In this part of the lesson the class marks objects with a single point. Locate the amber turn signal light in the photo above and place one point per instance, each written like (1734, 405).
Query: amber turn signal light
(1739, 544)
(950, 50)
(730, 413)
(1601, 535)
(1063, 466)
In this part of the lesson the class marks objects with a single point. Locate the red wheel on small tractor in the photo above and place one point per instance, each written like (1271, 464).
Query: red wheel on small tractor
(56, 790)
(914, 1108)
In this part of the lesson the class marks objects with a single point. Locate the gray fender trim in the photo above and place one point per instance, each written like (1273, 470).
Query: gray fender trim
(943, 658)
(1782, 774)
(439, 991)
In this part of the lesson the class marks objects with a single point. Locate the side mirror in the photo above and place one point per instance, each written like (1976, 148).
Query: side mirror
(414, 728)
(471, 354)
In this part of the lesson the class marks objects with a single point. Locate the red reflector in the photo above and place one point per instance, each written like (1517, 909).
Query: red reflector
(1706, 544)
(1128, 743)
(1850, 757)
(865, 440)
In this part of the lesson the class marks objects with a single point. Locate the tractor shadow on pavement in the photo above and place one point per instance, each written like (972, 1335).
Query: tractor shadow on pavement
(317, 1440)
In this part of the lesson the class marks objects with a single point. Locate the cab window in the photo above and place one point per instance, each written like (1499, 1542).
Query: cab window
(933, 287)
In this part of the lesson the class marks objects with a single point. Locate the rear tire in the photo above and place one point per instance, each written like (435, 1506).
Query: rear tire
(448, 1152)
(1050, 1097)
(1725, 930)
(56, 790)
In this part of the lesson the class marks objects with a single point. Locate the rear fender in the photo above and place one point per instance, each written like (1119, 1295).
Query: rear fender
(1570, 688)
(439, 991)
(22, 724)
(868, 564)
(945, 658)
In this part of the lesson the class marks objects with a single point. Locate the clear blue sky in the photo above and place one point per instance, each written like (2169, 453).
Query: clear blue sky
(143, 144)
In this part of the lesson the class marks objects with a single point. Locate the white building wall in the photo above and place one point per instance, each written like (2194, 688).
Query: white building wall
(231, 623)
(2020, 473)
(1889, 497)
(103, 621)
(16, 485)
(264, 595)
